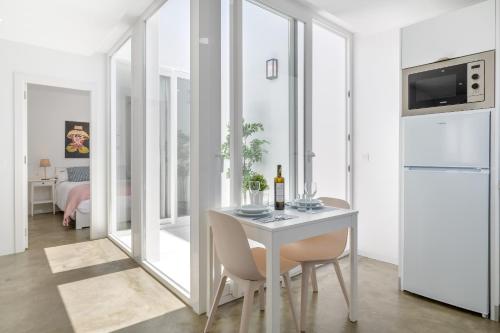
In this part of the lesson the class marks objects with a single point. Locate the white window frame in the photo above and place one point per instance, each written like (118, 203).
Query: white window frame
(308, 16)
(111, 120)
(173, 74)
(309, 153)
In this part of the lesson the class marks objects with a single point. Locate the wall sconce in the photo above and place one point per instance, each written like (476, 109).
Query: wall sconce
(272, 69)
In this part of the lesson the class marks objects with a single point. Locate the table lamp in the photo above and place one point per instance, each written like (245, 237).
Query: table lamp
(44, 163)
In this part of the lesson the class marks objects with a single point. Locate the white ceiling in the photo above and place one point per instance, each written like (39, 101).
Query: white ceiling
(91, 26)
(76, 26)
(370, 16)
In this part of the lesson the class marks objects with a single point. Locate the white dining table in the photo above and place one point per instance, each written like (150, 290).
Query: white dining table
(304, 225)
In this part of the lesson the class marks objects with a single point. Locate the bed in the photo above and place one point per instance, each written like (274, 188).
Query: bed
(82, 214)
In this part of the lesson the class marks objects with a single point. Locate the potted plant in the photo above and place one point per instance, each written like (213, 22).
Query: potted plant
(256, 177)
(253, 150)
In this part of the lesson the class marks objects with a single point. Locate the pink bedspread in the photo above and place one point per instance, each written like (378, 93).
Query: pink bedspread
(77, 194)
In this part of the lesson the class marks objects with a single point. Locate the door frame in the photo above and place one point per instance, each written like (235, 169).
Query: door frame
(21, 81)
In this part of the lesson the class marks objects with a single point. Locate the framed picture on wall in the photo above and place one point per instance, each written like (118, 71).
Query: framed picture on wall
(77, 140)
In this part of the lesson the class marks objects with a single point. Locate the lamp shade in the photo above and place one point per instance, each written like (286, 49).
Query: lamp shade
(45, 162)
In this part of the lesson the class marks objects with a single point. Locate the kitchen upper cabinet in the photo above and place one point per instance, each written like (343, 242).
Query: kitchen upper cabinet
(462, 32)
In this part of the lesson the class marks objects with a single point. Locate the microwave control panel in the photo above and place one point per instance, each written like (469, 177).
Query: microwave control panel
(475, 81)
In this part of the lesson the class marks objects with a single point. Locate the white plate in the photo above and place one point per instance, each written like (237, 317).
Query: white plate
(259, 214)
(313, 202)
(318, 206)
(254, 208)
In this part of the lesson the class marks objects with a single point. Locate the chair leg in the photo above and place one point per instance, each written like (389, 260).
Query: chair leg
(288, 286)
(306, 271)
(314, 279)
(341, 280)
(262, 298)
(215, 305)
(247, 307)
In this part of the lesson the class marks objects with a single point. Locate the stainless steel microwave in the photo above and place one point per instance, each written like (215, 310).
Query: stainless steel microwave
(458, 84)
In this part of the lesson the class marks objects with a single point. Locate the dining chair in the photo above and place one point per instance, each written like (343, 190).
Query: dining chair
(245, 266)
(319, 250)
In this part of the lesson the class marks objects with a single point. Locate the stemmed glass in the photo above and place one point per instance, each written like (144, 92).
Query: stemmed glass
(254, 187)
(310, 190)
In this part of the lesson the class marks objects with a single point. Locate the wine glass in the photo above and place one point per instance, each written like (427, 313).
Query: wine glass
(310, 190)
(254, 188)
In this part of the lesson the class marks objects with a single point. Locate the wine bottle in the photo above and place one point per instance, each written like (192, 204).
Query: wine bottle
(279, 191)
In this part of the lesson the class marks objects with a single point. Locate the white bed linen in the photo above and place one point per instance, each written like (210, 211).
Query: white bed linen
(62, 192)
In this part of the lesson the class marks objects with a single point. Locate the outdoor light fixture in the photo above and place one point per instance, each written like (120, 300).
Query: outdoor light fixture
(272, 69)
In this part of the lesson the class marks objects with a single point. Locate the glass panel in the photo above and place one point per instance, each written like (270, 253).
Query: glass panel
(300, 150)
(168, 90)
(329, 123)
(266, 100)
(183, 145)
(165, 153)
(121, 116)
(443, 86)
(225, 102)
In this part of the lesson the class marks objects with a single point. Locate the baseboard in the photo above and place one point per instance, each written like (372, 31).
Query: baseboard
(43, 211)
(371, 255)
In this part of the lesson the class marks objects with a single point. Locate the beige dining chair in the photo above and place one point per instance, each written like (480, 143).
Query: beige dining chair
(324, 249)
(245, 266)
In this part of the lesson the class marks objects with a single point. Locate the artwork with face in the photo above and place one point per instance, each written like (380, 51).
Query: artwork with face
(77, 140)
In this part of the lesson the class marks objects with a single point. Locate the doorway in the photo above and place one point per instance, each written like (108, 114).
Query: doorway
(53, 161)
(58, 136)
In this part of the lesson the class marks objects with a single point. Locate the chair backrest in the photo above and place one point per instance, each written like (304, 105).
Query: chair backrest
(341, 235)
(231, 246)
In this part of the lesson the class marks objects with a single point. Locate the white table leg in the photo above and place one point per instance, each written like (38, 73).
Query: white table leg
(273, 287)
(353, 305)
(53, 200)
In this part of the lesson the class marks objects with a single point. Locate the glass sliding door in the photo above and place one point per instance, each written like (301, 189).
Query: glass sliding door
(121, 84)
(168, 90)
(272, 46)
(329, 113)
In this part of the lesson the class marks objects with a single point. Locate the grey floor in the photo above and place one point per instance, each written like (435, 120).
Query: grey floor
(42, 291)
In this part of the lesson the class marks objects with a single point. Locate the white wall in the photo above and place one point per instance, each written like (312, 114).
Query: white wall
(48, 110)
(376, 143)
(16, 57)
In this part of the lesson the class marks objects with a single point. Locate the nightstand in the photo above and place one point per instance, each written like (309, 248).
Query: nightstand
(39, 183)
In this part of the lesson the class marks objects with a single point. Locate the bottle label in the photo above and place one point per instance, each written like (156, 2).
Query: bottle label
(280, 192)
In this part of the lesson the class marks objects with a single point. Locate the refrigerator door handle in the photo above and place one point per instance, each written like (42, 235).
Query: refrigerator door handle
(449, 169)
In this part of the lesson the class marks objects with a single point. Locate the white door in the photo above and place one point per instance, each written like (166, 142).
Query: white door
(446, 236)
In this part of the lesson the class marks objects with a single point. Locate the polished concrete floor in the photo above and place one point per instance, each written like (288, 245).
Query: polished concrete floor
(66, 283)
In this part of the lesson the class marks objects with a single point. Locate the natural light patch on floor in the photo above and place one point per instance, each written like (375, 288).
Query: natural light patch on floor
(109, 302)
(73, 256)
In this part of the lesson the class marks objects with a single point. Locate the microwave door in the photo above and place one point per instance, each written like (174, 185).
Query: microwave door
(438, 87)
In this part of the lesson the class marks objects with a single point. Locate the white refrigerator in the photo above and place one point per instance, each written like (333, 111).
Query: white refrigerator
(446, 208)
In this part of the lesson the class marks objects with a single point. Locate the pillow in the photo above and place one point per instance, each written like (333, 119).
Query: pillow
(78, 174)
(61, 174)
